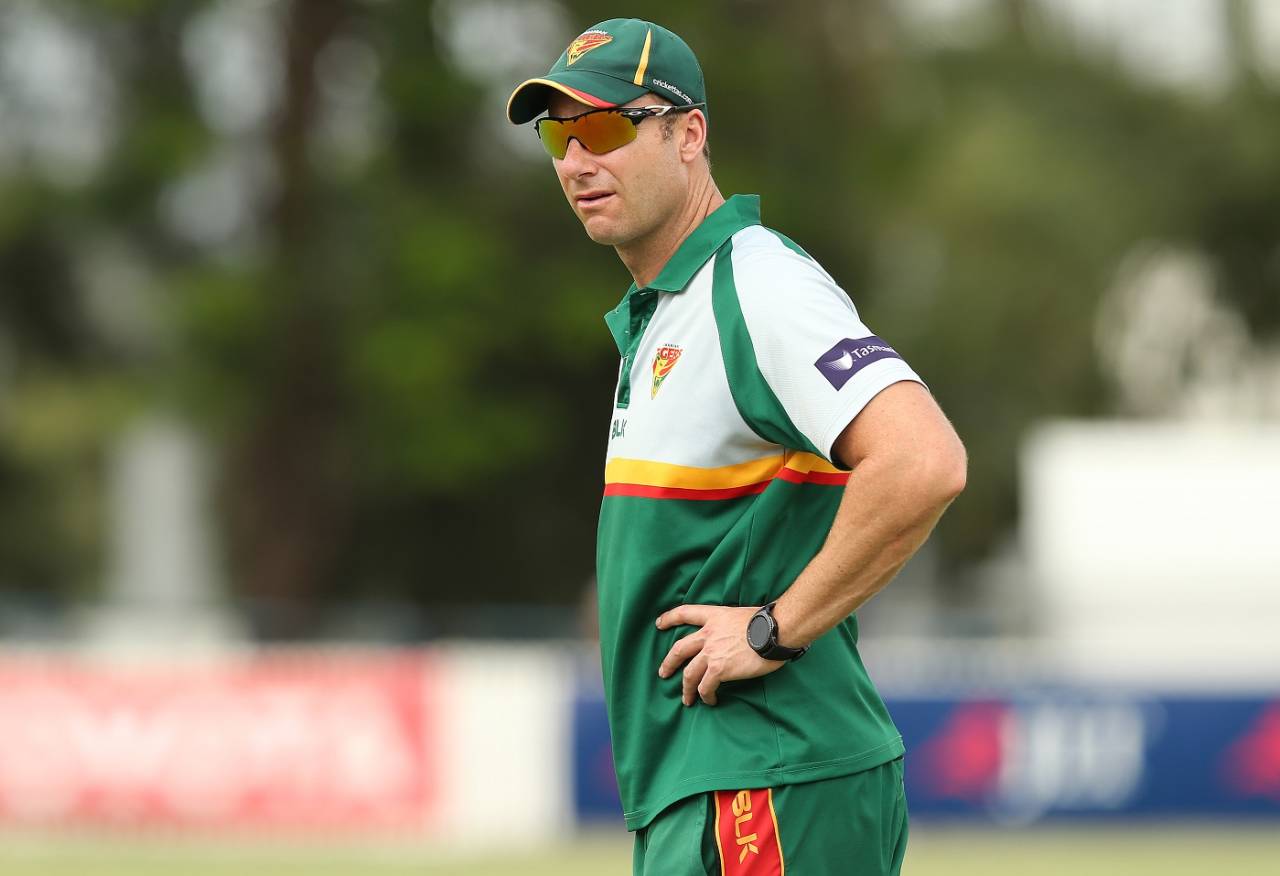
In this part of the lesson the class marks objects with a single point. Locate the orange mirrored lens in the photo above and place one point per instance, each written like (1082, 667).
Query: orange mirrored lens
(598, 132)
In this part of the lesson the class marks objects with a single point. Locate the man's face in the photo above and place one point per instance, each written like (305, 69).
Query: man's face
(626, 194)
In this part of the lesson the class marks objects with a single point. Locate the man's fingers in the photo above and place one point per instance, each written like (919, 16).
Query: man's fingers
(692, 678)
(693, 615)
(708, 686)
(681, 651)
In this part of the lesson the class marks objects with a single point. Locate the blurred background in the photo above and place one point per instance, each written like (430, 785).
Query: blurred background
(304, 396)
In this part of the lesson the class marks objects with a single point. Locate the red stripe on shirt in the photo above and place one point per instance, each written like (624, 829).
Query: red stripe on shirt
(649, 492)
(831, 478)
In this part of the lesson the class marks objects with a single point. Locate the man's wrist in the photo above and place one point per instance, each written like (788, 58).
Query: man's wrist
(788, 626)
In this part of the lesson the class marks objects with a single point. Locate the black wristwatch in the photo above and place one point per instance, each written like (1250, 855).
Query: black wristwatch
(762, 636)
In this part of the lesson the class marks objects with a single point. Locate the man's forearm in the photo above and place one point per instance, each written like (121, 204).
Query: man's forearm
(908, 464)
(888, 510)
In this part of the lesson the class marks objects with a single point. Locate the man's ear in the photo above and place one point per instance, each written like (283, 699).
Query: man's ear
(693, 134)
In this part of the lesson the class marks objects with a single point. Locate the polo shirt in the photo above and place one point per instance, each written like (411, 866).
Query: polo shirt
(742, 362)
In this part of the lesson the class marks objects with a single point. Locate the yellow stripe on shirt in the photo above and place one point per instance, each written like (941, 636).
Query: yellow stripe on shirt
(663, 474)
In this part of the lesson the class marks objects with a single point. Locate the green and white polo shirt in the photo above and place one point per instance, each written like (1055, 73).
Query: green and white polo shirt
(741, 364)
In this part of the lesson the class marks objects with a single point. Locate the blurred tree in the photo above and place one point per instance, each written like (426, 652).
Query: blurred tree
(289, 482)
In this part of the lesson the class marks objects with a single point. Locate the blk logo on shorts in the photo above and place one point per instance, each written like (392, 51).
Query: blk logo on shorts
(747, 833)
(850, 356)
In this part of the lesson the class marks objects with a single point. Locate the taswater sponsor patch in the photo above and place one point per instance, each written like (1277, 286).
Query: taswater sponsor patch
(850, 356)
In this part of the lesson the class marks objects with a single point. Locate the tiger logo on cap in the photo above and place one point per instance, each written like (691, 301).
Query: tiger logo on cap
(592, 39)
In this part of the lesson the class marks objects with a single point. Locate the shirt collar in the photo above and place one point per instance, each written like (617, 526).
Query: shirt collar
(735, 214)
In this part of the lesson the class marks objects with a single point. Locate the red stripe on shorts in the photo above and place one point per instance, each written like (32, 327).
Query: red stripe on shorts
(747, 833)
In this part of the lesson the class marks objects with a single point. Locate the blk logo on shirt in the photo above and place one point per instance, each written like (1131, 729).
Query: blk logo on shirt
(850, 356)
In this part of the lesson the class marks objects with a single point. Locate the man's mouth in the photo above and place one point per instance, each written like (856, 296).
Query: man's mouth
(592, 198)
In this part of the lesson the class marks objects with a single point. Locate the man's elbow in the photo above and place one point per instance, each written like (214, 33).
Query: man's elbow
(956, 477)
(944, 472)
(951, 472)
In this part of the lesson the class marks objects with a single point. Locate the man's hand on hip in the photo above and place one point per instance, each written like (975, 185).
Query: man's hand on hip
(716, 653)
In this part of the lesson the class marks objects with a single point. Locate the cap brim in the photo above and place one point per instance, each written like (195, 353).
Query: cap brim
(531, 97)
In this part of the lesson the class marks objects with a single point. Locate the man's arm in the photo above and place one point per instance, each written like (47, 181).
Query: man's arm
(908, 465)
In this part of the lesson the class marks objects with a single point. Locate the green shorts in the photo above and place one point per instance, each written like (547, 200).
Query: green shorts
(855, 824)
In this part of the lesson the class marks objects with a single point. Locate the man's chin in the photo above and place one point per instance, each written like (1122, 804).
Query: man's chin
(604, 233)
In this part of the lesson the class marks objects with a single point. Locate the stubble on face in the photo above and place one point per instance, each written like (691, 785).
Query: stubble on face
(643, 183)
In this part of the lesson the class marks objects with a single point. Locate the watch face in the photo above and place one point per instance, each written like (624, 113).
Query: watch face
(758, 632)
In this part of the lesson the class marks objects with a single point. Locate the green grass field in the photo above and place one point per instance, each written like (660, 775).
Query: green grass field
(1167, 850)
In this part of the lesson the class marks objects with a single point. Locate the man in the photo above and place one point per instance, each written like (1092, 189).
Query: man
(771, 466)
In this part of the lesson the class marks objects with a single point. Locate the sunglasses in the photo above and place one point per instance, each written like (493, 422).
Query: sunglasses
(599, 131)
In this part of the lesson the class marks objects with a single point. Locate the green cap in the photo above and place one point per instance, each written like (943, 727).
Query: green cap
(612, 63)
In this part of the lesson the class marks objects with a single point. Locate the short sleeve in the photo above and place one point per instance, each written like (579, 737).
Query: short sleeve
(817, 358)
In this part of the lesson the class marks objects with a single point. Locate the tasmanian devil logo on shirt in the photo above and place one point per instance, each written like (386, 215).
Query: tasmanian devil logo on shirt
(592, 39)
(850, 356)
(663, 362)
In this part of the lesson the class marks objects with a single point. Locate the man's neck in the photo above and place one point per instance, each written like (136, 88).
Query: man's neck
(646, 257)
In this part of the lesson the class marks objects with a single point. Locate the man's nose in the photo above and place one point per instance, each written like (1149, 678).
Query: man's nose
(577, 159)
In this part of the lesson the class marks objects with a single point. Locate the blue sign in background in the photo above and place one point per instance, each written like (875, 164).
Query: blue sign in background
(1035, 755)
(595, 787)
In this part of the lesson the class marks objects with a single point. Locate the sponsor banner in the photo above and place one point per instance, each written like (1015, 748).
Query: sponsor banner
(1021, 759)
(276, 741)
(1029, 757)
